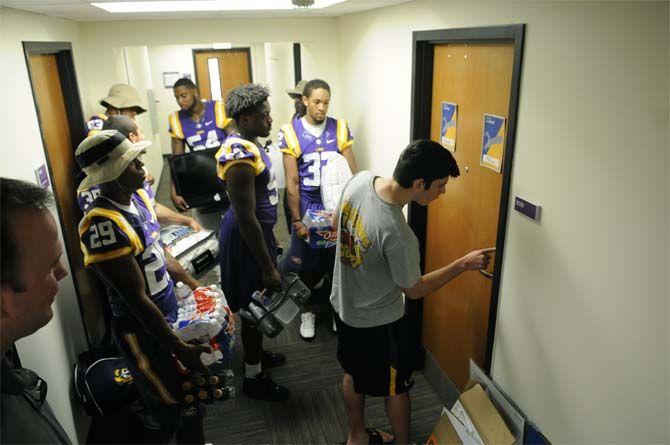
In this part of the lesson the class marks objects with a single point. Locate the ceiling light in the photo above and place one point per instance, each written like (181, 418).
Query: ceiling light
(207, 5)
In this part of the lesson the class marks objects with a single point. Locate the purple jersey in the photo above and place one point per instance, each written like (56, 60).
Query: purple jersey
(313, 153)
(94, 124)
(206, 133)
(240, 151)
(110, 230)
(86, 197)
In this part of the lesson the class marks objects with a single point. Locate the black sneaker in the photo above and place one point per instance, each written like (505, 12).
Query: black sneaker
(263, 388)
(271, 360)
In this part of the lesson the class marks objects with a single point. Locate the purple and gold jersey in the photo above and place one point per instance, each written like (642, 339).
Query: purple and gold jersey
(208, 132)
(237, 151)
(94, 124)
(86, 197)
(110, 230)
(312, 153)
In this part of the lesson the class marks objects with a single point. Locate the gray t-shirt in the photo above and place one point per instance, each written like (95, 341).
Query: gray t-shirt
(377, 254)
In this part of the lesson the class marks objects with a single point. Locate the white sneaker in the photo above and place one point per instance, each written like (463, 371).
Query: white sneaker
(307, 324)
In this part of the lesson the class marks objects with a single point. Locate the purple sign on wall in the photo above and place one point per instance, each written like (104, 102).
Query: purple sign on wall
(42, 176)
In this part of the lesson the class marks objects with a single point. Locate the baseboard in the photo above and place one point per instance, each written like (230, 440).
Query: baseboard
(442, 385)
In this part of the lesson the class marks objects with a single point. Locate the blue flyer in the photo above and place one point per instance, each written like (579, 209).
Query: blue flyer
(449, 125)
(493, 142)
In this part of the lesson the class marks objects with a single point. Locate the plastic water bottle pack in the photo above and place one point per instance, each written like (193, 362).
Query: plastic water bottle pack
(204, 317)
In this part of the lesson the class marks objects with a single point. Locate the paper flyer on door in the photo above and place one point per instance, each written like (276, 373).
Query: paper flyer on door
(493, 142)
(449, 125)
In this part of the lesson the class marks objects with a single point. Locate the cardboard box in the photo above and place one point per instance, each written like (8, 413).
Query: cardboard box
(474, 419)
(485, 417)
(508, 410)
(444, 433)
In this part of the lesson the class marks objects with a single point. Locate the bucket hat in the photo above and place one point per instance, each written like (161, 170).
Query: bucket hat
(105, 155)
(121, 96)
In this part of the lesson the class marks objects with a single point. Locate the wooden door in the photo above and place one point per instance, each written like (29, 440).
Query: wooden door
(233, 67)
(53, 121)
(478, 78)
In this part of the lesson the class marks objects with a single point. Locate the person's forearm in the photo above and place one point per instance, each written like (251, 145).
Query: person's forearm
(434, 280)
(178, 273)
(351, 159)
(252, 234)
(293, 193)
(168, 216)
(153, 321)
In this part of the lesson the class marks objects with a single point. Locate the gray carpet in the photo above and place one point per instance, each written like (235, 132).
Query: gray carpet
(315, 412)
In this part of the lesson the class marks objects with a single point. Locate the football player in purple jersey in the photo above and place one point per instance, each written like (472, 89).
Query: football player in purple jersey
(248, 248)
(120, 240)
(308, 143)
(197, 125)
(129, 128)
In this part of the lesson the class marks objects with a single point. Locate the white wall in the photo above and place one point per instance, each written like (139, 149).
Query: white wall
(52, 351)
(179, 58)
(582, 335)
(170, 43)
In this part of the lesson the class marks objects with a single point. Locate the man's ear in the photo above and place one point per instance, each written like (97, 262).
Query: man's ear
(242, 121)
(418, 185)
(305, 100)
(133, 138)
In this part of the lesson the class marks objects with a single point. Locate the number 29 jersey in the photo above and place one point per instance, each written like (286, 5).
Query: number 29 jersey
(312, 153)
(110, 230)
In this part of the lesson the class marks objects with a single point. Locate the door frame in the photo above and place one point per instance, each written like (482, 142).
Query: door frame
(75, 120)
(423, 44)
(245, 49)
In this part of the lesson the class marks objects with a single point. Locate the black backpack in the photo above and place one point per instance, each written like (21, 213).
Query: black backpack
(103, 382)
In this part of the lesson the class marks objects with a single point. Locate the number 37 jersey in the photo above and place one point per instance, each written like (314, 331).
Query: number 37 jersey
(110, 230)
(312, 153)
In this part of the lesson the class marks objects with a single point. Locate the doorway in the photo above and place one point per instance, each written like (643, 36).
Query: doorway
(56, 95)
(473, 74)
(219, 71)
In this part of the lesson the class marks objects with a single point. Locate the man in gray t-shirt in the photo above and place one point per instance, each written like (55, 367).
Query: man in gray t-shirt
(377, 261)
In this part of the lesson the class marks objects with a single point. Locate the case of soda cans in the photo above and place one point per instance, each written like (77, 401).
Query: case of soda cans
(321, 234)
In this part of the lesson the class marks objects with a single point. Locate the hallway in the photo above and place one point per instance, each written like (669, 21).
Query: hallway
(315, 413)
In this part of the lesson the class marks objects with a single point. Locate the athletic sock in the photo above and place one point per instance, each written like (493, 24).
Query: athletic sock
(251, 371)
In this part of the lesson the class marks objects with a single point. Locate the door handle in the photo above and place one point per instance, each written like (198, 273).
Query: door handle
(488, 275)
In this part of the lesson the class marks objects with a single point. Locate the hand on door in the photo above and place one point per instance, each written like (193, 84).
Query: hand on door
(477, 259)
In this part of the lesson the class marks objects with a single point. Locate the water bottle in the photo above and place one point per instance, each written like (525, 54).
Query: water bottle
(261, 297)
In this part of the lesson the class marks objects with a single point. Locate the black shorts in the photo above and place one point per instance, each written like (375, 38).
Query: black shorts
(377, 358)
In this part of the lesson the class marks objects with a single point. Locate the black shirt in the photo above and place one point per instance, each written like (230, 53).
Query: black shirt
(26, 415)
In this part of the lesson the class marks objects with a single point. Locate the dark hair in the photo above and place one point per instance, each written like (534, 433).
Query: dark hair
(245, 99)
(16, 196)
(300, 109)
(123, 124)
(427, 160)
(315, 84)
(185, 82)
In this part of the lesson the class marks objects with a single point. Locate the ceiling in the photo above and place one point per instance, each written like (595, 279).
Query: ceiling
(82, 10)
